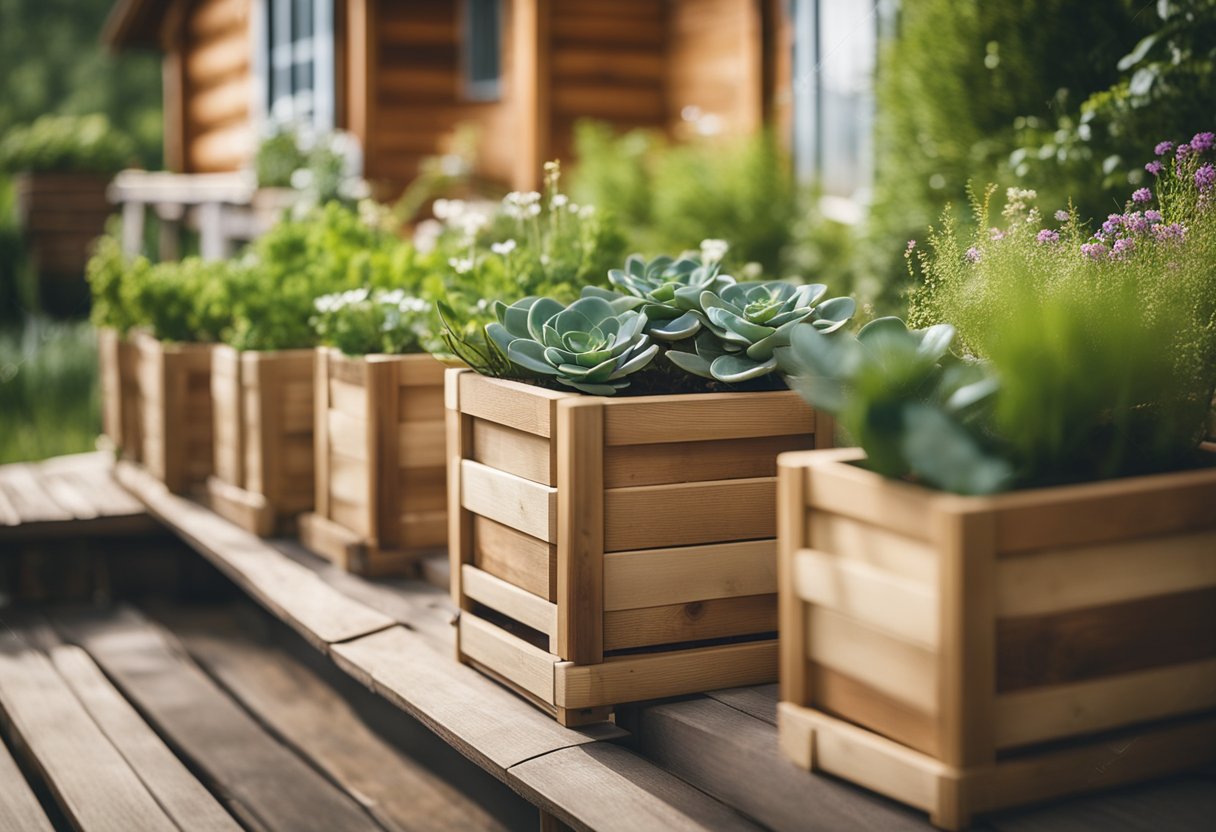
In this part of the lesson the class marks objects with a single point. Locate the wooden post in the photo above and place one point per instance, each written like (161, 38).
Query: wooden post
(579, 432)
(383, 451)
(966, 664)
(530, 55)
(791, 610)
(320, 439)
(459, 448)
(132, 228)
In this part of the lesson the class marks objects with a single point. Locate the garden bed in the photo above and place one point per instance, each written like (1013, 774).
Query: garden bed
(969, 654)
(118, 357)
(380, 490)
(264, 459)
(174, 382)
(610, 550)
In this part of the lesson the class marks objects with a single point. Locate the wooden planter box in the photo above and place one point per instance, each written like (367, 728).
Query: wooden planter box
(263, 428)
(118, 359)
(61, 214)
(381, 497)
(963, 655)
(175, 411)
(611, 550)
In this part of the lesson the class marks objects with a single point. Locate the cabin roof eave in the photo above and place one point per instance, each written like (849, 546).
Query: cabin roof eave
(134, 24)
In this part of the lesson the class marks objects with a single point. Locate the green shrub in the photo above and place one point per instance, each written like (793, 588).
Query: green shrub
(54, 144)
(1085, 356)
(187, 301)
(330, 249)
(325, 167)
(107, 271)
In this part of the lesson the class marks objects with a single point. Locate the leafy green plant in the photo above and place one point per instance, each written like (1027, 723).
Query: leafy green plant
(324, 251)
(917, 410)
(588, 345)
(326, 167)
(365, 322)
(54, 144)
(529, 244)
(188, 300)
(107, 272)
(667, 290)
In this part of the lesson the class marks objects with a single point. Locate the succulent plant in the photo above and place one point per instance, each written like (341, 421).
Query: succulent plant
(743, 323)
(589, 345)
(915, 408)
(667, 290)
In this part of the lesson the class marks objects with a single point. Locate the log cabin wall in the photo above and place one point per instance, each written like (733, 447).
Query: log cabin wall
(209, 115)
(414, 90)
(607, 61)
(716, 64)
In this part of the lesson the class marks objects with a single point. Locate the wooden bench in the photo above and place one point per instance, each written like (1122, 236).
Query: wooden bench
(701, 762)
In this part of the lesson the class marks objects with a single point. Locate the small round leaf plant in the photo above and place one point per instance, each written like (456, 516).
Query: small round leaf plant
(666, 325)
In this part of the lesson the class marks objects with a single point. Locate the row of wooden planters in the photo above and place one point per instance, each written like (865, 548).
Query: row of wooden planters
(957, 654)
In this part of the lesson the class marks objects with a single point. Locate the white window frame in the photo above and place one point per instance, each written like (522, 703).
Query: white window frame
(488, 90)
(318, 109)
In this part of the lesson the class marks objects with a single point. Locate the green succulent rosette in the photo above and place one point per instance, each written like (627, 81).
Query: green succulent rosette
(667, 290)
(590, 345)
(744, 323)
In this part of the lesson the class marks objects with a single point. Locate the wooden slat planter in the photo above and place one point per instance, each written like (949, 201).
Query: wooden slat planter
(612, 550)
(118, 358)
(380, 467)
(263, 427)
(174, 383)
(963, 655)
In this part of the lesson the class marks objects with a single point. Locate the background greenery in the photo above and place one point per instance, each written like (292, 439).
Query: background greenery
(51, 61)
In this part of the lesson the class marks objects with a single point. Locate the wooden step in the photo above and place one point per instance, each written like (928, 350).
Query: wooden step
(20, 810)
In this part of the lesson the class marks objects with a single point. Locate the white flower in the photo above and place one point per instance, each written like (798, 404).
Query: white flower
(448, 209)
(534, 210)
(354, 189)
(544, 259)
(573, 208)
(559, 200)
(586, 212)
(461, 265)
(301, 179)
(712, 251)
(752, 271)
(426, 236)
(470, 221)
(504, 248)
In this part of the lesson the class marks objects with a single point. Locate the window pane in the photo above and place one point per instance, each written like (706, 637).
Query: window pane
(848, 48)
(482, 45)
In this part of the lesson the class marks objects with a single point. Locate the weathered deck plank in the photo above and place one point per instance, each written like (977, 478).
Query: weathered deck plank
(20, 810)
(296, 594)
(264, 783)
(182, 796)
(308, 715)
(92, 783)
(67, 496)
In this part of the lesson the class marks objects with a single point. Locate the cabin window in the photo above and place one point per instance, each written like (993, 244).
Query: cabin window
(835, 53)
(300, 63)
(482, 50)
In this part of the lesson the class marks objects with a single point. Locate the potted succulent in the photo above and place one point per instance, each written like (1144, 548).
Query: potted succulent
(611, 480)
(178, 310)
(117, 354)
(1007, 594)
(62, 166)
(263, 374)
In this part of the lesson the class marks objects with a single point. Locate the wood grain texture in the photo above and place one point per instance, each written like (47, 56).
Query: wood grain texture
(687, 514)
(514, 451)
(20, 810)
(308, 715)
(513, 501)
(92, 783)
(296, 594)
(514, 404)
(694, 621)
(264, 783)
(510, 600)
(184, 799)
(684, 574)
(527, 562)
(483, 720)
(718, 459)
(581, 530)
(1103, 641)
(604, 787)
(705, 417)
(512, 658)
(730, 756)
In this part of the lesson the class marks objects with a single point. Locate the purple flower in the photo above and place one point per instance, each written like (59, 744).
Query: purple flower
(1184, 150)
(1205, 177)
(1163, 148)
(1173, 231)
(1142, 195)
(1135, 223)
(1152, 216)
(1112, 224)
(996, 234)
(1154, 167)
(973, 254)
(1202, 142)
(1121, 248)
(1093, 250)
(911, 245)
(1061, 215)
(1047, 236)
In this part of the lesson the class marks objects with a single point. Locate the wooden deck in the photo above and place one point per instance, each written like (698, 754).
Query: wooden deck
(703, 762)
(68, 495)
